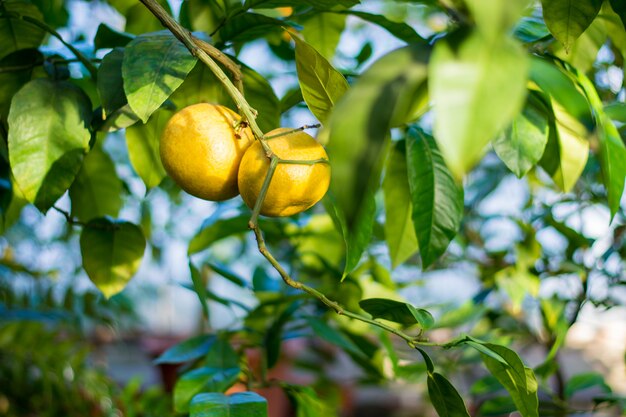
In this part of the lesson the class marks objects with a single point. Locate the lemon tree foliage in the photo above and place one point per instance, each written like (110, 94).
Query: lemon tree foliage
(414, 145)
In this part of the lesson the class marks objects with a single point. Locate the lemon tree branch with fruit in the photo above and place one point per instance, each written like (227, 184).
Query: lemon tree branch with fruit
(459, 211)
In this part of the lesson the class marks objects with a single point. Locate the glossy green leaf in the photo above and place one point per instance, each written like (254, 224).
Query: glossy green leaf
(481, 86)
(97, 190)
(494, 18)
(612, 154)
(531, 29)
(242, 404)
(55, 12)
(12, 81)
(15, 32)
(140, 20)
(583, 51)
(322, 85)
(308, 403)
(199, 287)
(202, 379)
(399, 229)
(437, 199)
(188, 350)
(48, 137)
(107, 37)
(584, 381)
(518, 380)
(249, 26)
(400, 30)
(397, 311)
(383, 97)
(332, 335)
(201, 15)
(567, 149)
(154, 66)
(112, 251)
(620, 8)
(322, 31)
(215, 229)
(143, 148)
(110, 82)
(568, 19)
(444, 397)
(522, 144)
(561, 88)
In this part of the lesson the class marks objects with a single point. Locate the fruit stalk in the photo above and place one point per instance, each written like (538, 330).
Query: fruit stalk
(185, 37)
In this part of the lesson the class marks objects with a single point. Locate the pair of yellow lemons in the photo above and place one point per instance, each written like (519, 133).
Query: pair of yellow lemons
(208, 154)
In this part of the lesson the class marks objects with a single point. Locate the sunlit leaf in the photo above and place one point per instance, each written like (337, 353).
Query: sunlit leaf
(522, 144)
(477, 87)
(48, 137)
(97, 190)
(322, 31)
(568, 19)
(322, 85)
(386, 95)
(154, 66)
(143, 148)
(112, 251)
(397, 311)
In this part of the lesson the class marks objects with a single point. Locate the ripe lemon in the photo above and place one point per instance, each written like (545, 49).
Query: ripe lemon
(294, 187)
(201, 150)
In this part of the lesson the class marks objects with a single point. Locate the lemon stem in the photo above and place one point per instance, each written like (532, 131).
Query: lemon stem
(197, 49)
(253, 223)
(289, 132)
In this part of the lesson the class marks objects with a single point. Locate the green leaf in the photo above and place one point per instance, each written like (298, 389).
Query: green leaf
(567, 149)
(215, 229)
(15, 32)
(143, 148)
(397, 311)
(139, 19)
(437, 199)
(97, 190)
(332, 335)
(399, 228)
(54, 10)
(584, 50)
(12, 81)
(481, 85)
(386, 95)
(241, 404)
(568, 19)
(322, 31)
(522, 144)
(583, 381)
(261, 96)
(199, 287)
(612, 154)
(107, 37)
(308, 404)
(322, 85)
(112, 251)
(561, 88)
(619, 7)
(445, 397)
(518, 380)
(616, 111)
(494, 18)
(154, 66)
(249, 26)
(189, 350)
(531, 29)
(430, 367)
(202, 379)
(497, 406)
(110, 82)
(201, 15)
(400, 30)
(48, 137)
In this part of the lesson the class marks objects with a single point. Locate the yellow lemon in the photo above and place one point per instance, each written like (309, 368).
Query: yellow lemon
(294, 187)
(201, 149)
